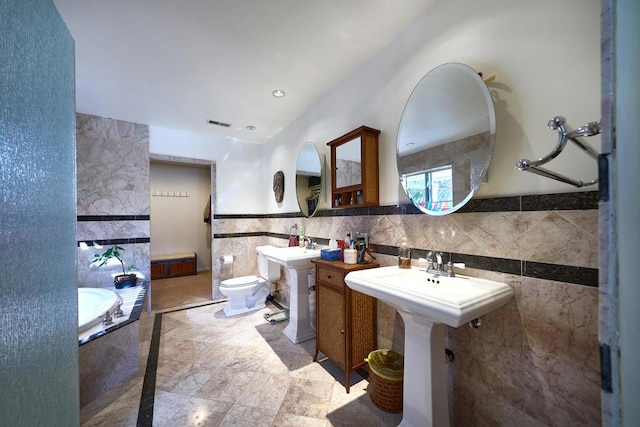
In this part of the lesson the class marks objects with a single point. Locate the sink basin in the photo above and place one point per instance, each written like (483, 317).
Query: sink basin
(293, 256)
(427, 303)
(453, 301)
(297, 260)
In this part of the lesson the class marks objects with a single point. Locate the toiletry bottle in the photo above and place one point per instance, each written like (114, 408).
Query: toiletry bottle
(347, 241)
(404, 254)
(301, 238)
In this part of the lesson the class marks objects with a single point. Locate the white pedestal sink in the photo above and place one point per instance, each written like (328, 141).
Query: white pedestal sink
(298, 261)
(426, 304)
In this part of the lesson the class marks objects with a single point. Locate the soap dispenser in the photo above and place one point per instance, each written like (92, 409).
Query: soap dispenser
(404, 254)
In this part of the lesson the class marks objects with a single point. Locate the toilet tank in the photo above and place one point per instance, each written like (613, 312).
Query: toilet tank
(268, 269)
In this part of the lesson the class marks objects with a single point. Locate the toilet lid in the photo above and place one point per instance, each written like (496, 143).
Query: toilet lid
(239, 281)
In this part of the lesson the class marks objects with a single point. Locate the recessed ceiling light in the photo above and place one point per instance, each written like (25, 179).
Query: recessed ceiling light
(251, 127)
(278, 93)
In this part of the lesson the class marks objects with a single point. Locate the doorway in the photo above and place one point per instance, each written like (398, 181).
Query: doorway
(180, 223)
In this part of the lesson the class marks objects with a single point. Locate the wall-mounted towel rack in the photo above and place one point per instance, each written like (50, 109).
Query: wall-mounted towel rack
(557, 124)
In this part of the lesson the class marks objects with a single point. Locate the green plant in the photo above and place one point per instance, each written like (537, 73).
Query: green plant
(112, 252)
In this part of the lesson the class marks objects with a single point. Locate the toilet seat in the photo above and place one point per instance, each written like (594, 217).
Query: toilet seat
(239, 281)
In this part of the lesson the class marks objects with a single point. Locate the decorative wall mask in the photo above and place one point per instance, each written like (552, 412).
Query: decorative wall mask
(278, 186)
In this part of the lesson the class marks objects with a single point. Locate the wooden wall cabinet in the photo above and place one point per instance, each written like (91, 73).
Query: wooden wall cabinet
(354, 169)
(345, 319)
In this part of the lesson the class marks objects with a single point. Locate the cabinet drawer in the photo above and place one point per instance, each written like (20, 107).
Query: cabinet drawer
(331, 277)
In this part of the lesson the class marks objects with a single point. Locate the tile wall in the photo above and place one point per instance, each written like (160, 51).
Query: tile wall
(113, 194)
(534, 361)
(113, 208)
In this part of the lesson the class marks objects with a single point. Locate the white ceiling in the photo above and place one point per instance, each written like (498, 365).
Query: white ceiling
(179, 63)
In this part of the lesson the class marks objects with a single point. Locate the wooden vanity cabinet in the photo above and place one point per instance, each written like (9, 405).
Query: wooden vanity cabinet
(345, 319)
(354, 169)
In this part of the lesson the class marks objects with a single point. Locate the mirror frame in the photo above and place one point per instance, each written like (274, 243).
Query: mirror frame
(474, 147)
(307, 146)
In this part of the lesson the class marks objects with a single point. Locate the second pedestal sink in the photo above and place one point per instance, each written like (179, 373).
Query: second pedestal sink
(427, 303)
(298, 261)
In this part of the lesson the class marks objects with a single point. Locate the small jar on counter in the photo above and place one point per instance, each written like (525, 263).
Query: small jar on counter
(404, 254)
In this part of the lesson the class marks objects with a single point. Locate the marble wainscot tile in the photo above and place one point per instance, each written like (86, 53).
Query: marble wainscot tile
(238, 225)
(446, 235)
(118, 351)
(562, 375)
(386, 230)
(385, 324)
(113, 167)
(555, 240)
(587, 220)
(562, 319)
(488, 362)
(493, 231)
(108, 230)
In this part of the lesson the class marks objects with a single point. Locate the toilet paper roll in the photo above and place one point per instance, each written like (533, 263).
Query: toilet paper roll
(350, 256)
(227, 259)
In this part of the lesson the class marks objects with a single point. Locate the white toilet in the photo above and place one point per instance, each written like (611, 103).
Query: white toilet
(249, 293)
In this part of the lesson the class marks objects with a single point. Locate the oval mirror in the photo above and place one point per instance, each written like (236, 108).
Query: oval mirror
(445, 139)
(308, 179)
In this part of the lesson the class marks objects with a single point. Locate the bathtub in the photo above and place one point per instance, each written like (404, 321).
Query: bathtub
(93, 303)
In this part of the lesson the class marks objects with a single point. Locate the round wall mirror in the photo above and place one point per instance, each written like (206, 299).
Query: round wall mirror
(308, 179)
(445, 139)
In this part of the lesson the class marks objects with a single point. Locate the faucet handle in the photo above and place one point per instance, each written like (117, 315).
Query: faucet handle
(429, 260)
(439, 259)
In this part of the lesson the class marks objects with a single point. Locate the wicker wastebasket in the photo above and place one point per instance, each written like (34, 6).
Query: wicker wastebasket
(386, 371)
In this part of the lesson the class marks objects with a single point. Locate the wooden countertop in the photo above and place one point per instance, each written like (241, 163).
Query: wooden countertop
(345, 267)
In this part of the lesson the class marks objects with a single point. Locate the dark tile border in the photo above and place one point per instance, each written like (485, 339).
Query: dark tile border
(147, 397)
(561, 273)
(563, 201)
(87, 218)
(250, 234)
(582, 200)
(109, 242)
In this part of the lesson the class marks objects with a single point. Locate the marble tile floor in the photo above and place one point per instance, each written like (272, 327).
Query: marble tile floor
(180, 291)
(239, 371)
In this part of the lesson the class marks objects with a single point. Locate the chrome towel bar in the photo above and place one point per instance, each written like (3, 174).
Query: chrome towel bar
(558, 124)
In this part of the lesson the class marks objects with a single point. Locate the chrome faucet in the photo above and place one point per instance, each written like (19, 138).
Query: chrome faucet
(436, 269)
(309, 243)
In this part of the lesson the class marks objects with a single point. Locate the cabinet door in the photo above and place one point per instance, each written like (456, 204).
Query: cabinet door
(330, 324)
(362, 329)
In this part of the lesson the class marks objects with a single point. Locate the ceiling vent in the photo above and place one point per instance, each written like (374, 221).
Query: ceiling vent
(223, 124)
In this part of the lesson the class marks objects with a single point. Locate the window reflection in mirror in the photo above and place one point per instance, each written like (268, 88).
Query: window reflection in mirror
(432, 189)
(449, 119)
(349, 164)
